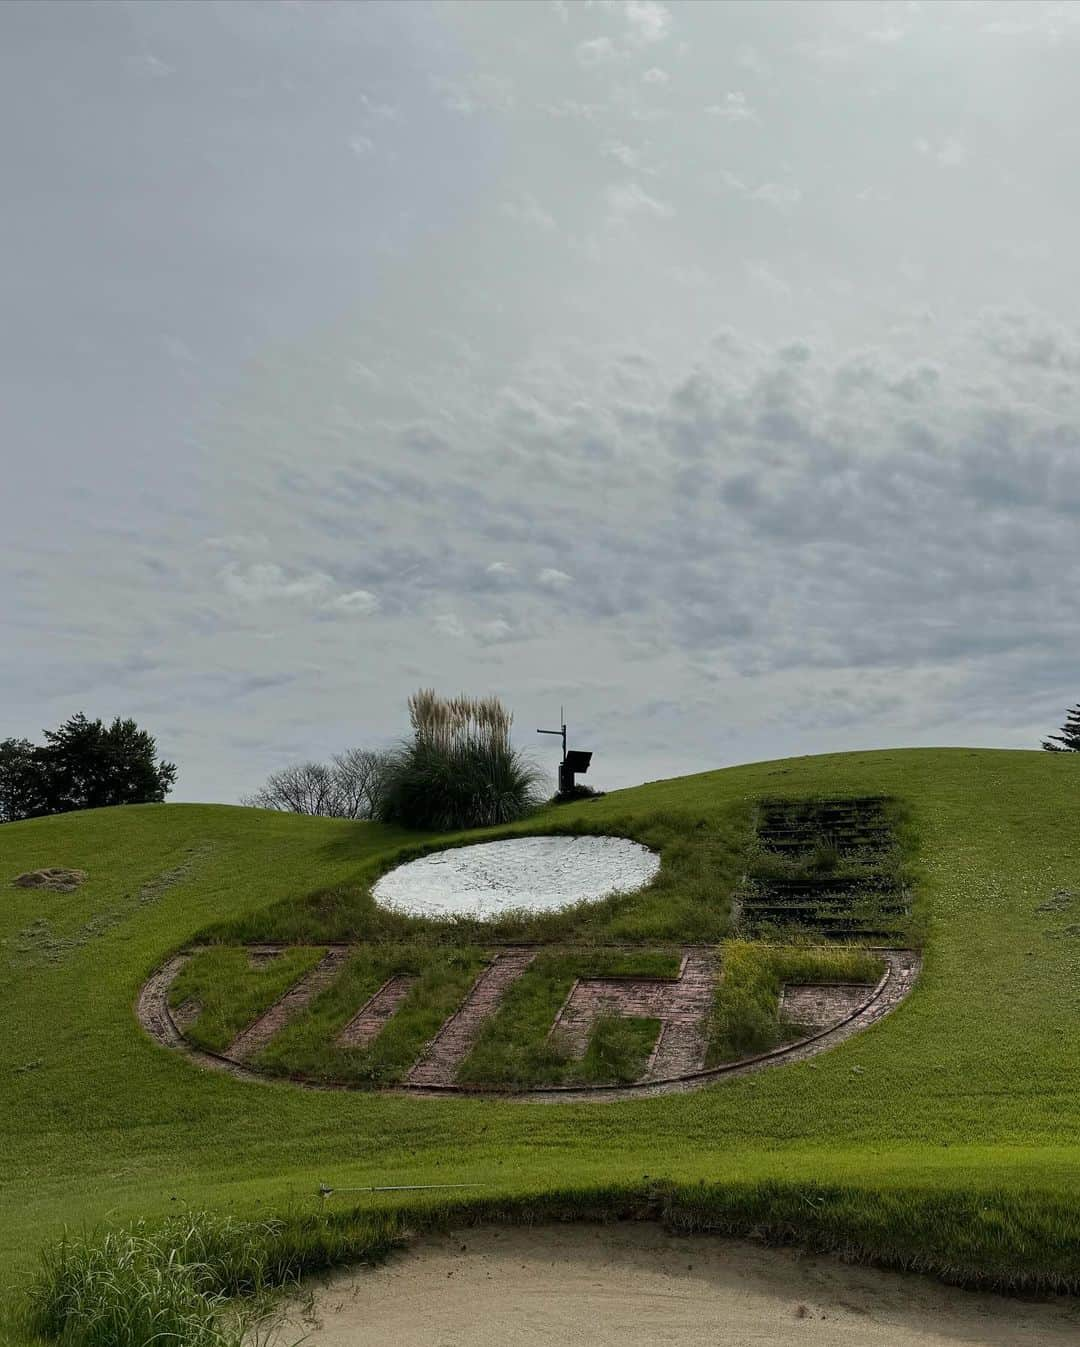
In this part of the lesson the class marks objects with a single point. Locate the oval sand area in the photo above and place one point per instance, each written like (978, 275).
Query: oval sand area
(537, 874)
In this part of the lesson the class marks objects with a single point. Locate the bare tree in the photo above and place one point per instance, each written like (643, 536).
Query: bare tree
(348, 787)
(358, 776)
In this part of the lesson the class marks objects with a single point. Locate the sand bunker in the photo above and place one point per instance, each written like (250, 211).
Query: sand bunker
(539, 874)
(635, 1286)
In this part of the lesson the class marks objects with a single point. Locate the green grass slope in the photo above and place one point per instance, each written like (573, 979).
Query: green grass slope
(966, 1100)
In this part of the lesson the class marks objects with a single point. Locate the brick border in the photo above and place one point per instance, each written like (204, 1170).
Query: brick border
(902, 968)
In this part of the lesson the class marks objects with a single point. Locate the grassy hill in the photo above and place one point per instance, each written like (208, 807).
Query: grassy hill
(946, 1136)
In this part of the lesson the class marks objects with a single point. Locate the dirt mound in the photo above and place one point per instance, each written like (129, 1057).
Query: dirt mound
(54, 877)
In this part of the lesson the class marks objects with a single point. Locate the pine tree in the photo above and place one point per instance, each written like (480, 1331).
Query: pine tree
(1068, 741)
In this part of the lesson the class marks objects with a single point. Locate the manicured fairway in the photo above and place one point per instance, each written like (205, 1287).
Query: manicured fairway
(968, 1096)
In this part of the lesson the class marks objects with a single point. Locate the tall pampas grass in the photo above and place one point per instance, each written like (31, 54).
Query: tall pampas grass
(460, 769)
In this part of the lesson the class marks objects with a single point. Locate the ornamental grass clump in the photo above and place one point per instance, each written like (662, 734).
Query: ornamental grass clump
(199, 1279)
(143, 1285)
(460, 769)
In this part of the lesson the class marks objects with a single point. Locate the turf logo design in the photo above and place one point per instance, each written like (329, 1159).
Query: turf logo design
(535, 1021)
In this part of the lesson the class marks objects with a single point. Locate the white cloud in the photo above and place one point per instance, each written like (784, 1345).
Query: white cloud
(648, 21)
(630, 198)
(596, 51)
(949, 152)
(484, 92)
(768, 278)
(494, 631)
(751, 59)
(771, 193)
(266, 582)
(359, 601)
(777, 194)
(528, 211)
(361, 146)
(654, 75)
(449, 624)
(153, 65)
(502, 568)
(261, 581)
(572, 109)
(551, 578)
(734, 108)
(626, 156)
(375, 112)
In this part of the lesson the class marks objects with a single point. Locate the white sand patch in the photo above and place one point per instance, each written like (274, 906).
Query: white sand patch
(540, 874)
(636, 1286)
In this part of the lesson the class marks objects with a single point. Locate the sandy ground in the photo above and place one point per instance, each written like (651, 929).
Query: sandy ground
(632, 1285)
(540, 874)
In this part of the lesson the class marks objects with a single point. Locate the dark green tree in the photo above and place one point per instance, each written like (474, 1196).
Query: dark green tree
(83, 764)
(1068, 741)
(21, 781)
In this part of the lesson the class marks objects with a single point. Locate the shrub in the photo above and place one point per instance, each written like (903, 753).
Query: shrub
(459, 770)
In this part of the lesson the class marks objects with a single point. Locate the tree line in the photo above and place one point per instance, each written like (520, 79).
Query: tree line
(83, 764)
(457, 770)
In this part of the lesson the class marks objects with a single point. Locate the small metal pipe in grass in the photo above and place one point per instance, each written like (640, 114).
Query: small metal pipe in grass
(326, 1191)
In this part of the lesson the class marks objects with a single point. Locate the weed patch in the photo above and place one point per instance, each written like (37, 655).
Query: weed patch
(199, 1280)
(745, 1018)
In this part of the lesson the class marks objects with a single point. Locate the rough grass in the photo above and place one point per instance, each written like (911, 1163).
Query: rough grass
(954, 1148)
(232, 990)
(197, 1280)
(307, 1046)
(745, 1016)
(619, 1048)
(702, 855)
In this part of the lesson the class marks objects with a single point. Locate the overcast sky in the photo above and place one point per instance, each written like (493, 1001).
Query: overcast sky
(709, 368)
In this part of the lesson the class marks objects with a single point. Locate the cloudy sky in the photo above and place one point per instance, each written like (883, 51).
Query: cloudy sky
(709, 368)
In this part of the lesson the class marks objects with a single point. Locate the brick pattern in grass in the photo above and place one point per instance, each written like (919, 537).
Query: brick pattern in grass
(224, 990)
(677, 1008)
(315, 1045)
(515, 1049)
(455, 1040)
(826, 869)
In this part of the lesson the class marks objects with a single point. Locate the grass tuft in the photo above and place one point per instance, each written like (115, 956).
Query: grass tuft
(745, 1019)
(197, 1280)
